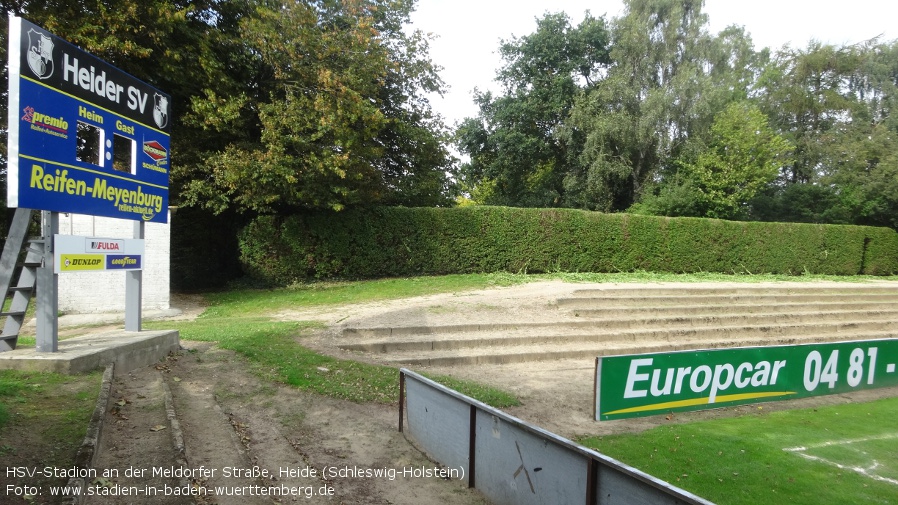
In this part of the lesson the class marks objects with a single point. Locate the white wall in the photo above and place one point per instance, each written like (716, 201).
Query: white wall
(95, 292)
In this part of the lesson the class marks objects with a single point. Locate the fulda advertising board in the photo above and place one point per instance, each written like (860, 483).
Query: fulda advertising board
(84, 136)
(97, 254)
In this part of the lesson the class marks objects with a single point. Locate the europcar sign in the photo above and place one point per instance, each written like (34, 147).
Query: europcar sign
(650, 384)
(84, 136)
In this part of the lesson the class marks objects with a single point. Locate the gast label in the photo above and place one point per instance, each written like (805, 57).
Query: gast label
(649, 384)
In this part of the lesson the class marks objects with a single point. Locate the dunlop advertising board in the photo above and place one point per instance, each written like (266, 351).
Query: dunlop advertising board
(96, 254)
(651, 384)
(84, 137)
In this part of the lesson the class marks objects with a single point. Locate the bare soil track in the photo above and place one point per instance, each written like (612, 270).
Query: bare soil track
(237, 424)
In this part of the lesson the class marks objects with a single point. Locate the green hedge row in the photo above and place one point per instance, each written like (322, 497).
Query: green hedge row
(389, 242)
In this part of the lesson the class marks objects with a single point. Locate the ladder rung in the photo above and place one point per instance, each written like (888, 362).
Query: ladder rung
(30, 264)
(21, 288)
(12, 313)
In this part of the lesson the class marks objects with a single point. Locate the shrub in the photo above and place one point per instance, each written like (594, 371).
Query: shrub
(396, 241)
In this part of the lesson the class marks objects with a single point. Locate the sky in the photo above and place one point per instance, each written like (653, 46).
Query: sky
(469, 32)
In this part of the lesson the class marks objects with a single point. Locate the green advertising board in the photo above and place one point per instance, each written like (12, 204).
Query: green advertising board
(651, 384)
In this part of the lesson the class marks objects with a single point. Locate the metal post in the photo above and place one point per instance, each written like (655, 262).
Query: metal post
(134, 288)
(592, 482)
(401, 398)
(47, 284)
(472, 445)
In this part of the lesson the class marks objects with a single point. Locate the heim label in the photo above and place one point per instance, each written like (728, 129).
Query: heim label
(651, 384)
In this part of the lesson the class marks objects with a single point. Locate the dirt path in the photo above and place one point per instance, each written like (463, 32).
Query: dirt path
(238, 426)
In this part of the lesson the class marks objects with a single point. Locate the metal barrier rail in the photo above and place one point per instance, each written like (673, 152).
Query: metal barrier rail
(513, 462)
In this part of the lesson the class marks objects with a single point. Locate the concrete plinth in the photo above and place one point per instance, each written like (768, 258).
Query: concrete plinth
(128, 350)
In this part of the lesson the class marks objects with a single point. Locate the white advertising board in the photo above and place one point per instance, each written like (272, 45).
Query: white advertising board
(85, 254)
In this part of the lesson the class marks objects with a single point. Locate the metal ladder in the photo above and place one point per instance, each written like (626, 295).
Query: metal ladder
(20, 293)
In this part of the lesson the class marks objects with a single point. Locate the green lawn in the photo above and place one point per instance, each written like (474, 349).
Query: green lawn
(266, 301)
(237, 320)
(806, 456)
(274, 351)
(43, 420)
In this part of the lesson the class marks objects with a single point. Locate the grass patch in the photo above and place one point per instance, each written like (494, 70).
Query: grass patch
(26, 341)
(45, 416)
(265, 301)
(486, 394)
(11, 386)
(645, 276)
(858, 453)
(255, 301)
(742, 460)
(273, 350)
(237, 320)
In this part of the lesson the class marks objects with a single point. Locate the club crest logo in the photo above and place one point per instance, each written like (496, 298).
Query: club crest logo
(40, 54)
(160, 110)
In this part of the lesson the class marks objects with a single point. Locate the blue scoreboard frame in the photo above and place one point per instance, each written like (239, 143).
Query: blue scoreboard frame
(84, 136)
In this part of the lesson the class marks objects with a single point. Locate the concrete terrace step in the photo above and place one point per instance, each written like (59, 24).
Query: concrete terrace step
(585, 323)
(594, 311)
(652, 299)
(687, 289)
(517, 354)
(553, 336)
(634, 319)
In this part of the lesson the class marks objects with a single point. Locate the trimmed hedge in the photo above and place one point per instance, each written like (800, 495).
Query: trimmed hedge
(396, 241)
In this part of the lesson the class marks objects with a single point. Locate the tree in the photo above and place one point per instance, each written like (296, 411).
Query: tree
(416, 167)
(804, 92)
(658, 94)
(861, 154)
(864, 169)
(516, 154)
(835, 104)
(340, 121)
(745, 155)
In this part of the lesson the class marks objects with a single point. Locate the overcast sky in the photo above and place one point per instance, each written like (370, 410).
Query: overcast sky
(469, 31)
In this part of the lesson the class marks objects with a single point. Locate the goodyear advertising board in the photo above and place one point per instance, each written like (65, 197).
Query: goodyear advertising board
(85, 254)
(84, 137)
(651, 384)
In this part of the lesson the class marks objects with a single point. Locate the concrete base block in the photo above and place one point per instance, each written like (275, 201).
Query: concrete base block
(128, 350)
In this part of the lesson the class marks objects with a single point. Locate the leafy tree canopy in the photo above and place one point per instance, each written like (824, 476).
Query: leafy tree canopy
(517, 156)
(652, 113)
(745, 155)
